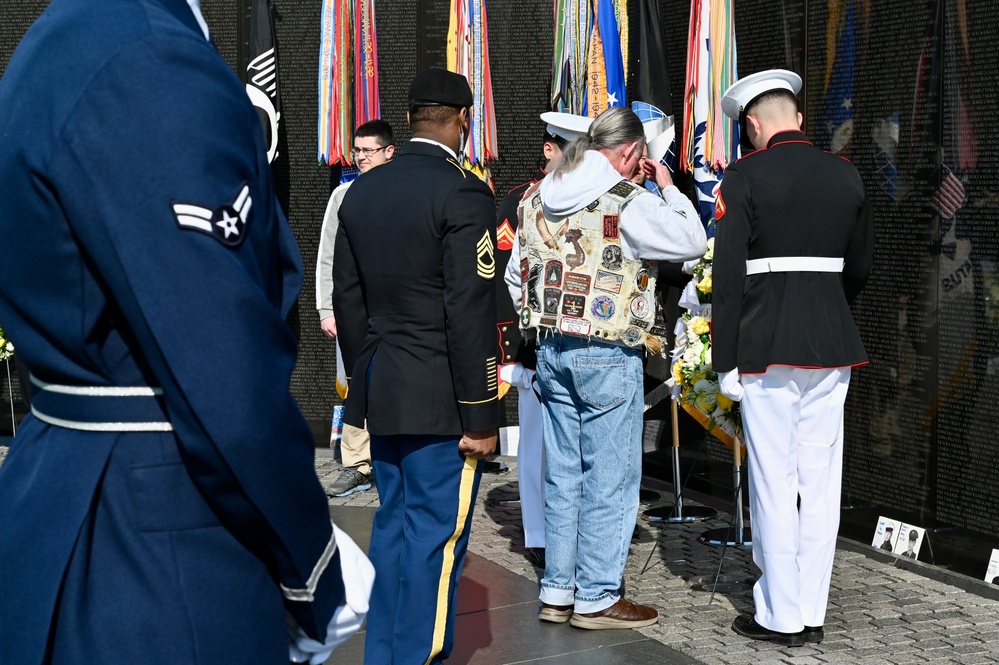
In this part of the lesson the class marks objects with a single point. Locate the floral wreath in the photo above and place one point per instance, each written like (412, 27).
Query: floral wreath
(694, 383)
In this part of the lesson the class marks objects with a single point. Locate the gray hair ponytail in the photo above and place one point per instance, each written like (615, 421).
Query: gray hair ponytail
(614, 127)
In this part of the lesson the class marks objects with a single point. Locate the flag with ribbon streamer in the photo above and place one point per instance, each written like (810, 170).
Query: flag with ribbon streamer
(590, 63)
(710, 140)
(468, 55)
(348, 76)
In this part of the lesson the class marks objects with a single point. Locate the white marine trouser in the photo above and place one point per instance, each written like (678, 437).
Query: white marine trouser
(793, 421)
(530, 454)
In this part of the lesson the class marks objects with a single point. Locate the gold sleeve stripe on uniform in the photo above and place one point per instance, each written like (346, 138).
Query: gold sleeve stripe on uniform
(492, 376)
(481, 401)
(447, 566)
(485, 257)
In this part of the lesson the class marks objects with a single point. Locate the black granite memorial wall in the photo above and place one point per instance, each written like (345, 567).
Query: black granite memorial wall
(920, 98)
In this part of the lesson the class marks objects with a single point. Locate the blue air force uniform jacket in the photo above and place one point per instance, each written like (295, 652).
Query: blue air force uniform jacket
(789, 200)
(414, 273)
(145, 258)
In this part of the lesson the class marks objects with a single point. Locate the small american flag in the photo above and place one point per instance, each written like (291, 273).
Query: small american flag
(949, 196)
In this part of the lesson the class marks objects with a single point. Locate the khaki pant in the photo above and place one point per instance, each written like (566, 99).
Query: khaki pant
(355, 449)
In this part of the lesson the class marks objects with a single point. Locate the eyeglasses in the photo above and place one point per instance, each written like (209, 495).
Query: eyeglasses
(366, 151)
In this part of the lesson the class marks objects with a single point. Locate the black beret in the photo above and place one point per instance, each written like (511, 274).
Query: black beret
(439, 87)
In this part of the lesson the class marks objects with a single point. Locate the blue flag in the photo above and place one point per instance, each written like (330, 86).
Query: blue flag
(613, 61)
(839, 93)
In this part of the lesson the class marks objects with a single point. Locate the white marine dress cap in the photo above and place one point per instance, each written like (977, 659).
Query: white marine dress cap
(568, 126)
(742, 93)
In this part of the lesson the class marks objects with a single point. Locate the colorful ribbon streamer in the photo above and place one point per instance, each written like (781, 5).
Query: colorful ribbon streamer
(468, 55)
(348, 76)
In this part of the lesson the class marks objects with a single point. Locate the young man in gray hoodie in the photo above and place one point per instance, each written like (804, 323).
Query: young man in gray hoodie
(583, 274)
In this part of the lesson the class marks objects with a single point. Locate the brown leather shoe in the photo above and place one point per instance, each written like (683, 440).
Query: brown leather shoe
(622, 614)
(554, 613)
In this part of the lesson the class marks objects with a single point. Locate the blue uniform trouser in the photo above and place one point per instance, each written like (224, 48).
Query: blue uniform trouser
(418, 544)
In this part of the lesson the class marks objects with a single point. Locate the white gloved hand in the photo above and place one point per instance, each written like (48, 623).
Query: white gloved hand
(729, 385)
(358, 578)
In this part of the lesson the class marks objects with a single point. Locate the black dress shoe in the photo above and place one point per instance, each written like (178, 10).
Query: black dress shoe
(814, 634)
(494, 467)
(746, 626)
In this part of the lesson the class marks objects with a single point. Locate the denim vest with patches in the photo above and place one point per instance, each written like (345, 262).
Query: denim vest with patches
(576, 279)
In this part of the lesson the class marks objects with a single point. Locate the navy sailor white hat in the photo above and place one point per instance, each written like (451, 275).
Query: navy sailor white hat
(744, 92)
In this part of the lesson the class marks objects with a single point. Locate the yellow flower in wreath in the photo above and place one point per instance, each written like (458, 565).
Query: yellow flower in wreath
(700, 325)
(724, 402)
(704, 286)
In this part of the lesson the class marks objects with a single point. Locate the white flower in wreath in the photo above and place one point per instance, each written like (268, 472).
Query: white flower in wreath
(709, 254)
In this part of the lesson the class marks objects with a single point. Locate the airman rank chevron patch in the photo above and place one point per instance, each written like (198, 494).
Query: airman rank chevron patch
(226, 223)
(485, 257)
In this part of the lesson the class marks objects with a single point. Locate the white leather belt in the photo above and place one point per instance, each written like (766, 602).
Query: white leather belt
(794, 264)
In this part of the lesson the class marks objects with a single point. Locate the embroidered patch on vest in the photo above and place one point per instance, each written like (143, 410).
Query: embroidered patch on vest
(552, 297)
(553, 273)
(622, 189)
(612, 257)
(485, 259)
(611, 226)
(532, 285)
(573, 305)
(608, 281)
(603, 308)
(577, 283)
(574, 326)
(642, 280)
(640, 307)
(632, 336)
(226, 223)
(578, 257)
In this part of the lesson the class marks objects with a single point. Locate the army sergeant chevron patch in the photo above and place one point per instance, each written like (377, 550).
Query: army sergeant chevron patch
(485, 257)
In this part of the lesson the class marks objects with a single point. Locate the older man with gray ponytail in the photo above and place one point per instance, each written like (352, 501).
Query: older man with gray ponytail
(582, 274)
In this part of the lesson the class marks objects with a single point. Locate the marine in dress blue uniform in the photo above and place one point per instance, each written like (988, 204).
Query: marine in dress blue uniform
(415, 300)
(793, 248)
(160, 504)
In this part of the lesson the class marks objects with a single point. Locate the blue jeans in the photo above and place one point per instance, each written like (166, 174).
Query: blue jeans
(592, 398)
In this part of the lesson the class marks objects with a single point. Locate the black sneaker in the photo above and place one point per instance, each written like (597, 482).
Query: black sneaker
(349, 481)
(746, 626)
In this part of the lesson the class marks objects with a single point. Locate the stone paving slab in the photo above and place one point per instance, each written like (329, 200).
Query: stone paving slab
(878, 613)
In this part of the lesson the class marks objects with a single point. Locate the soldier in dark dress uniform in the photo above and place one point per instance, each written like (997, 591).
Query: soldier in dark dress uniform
(160, 504)
(518, 355)
(415, 297)
(793, 248)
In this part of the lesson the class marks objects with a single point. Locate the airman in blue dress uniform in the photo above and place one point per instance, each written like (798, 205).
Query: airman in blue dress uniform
(160, 504)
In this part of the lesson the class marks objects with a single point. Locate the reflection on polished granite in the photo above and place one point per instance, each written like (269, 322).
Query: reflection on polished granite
(497, 620)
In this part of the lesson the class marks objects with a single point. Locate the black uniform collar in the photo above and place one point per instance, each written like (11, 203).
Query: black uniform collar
(426, 149)
(789, 136)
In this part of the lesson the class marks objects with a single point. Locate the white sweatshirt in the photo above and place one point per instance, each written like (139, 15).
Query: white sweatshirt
(665, 229)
